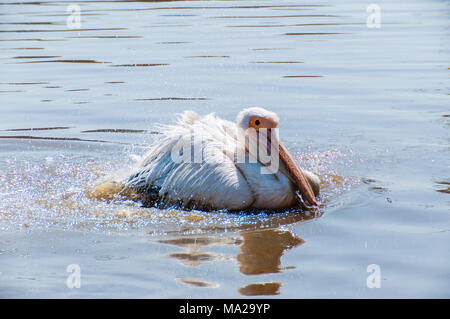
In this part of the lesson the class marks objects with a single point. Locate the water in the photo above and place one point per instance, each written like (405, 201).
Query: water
(366, 108)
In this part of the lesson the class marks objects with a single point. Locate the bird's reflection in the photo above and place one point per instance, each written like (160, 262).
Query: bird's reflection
(260, 289)
(193, 256)
(260, 252)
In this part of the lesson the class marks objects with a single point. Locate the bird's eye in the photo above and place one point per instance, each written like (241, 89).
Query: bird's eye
(257, 122)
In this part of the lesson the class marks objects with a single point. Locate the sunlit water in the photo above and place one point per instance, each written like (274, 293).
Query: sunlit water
(367, 109)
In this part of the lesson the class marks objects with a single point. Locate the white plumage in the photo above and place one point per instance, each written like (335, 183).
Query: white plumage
(210, 177)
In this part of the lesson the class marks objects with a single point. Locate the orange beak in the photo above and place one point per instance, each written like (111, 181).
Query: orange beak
(291, 169)
(297, 176)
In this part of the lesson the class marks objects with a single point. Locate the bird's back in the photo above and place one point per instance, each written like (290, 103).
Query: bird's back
(192, 166)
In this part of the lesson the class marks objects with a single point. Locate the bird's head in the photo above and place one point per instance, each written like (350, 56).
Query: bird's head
(264, 123)
(257, 118)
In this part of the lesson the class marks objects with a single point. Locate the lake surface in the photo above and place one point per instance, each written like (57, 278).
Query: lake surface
(368, 109)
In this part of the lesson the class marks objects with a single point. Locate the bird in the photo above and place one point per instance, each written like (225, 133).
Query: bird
(209, 163)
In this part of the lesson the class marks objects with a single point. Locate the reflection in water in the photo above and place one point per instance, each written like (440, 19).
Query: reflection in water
(268, 288)
(106, 37)
(261, 250)
(208, 56)
(444, 187)
(36, 57)
(173, 42)
(61, 30)
(29, 137)
(116, 130)
(271, 49)
(193, 257)
(173, 99)
(198, 283)
(33, 39)
(302, 76)
(63, 61)
(139, 65)
(313, 33)
(260, 253)
(25, 83)
(37, 129)
(283, 16)
(274, 62)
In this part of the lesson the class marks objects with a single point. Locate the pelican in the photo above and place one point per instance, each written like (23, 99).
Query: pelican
(209, 163)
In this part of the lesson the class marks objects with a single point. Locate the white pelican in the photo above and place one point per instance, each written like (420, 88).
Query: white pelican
(195, 166)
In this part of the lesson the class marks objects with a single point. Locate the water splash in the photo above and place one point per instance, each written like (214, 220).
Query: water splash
(53, 193)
